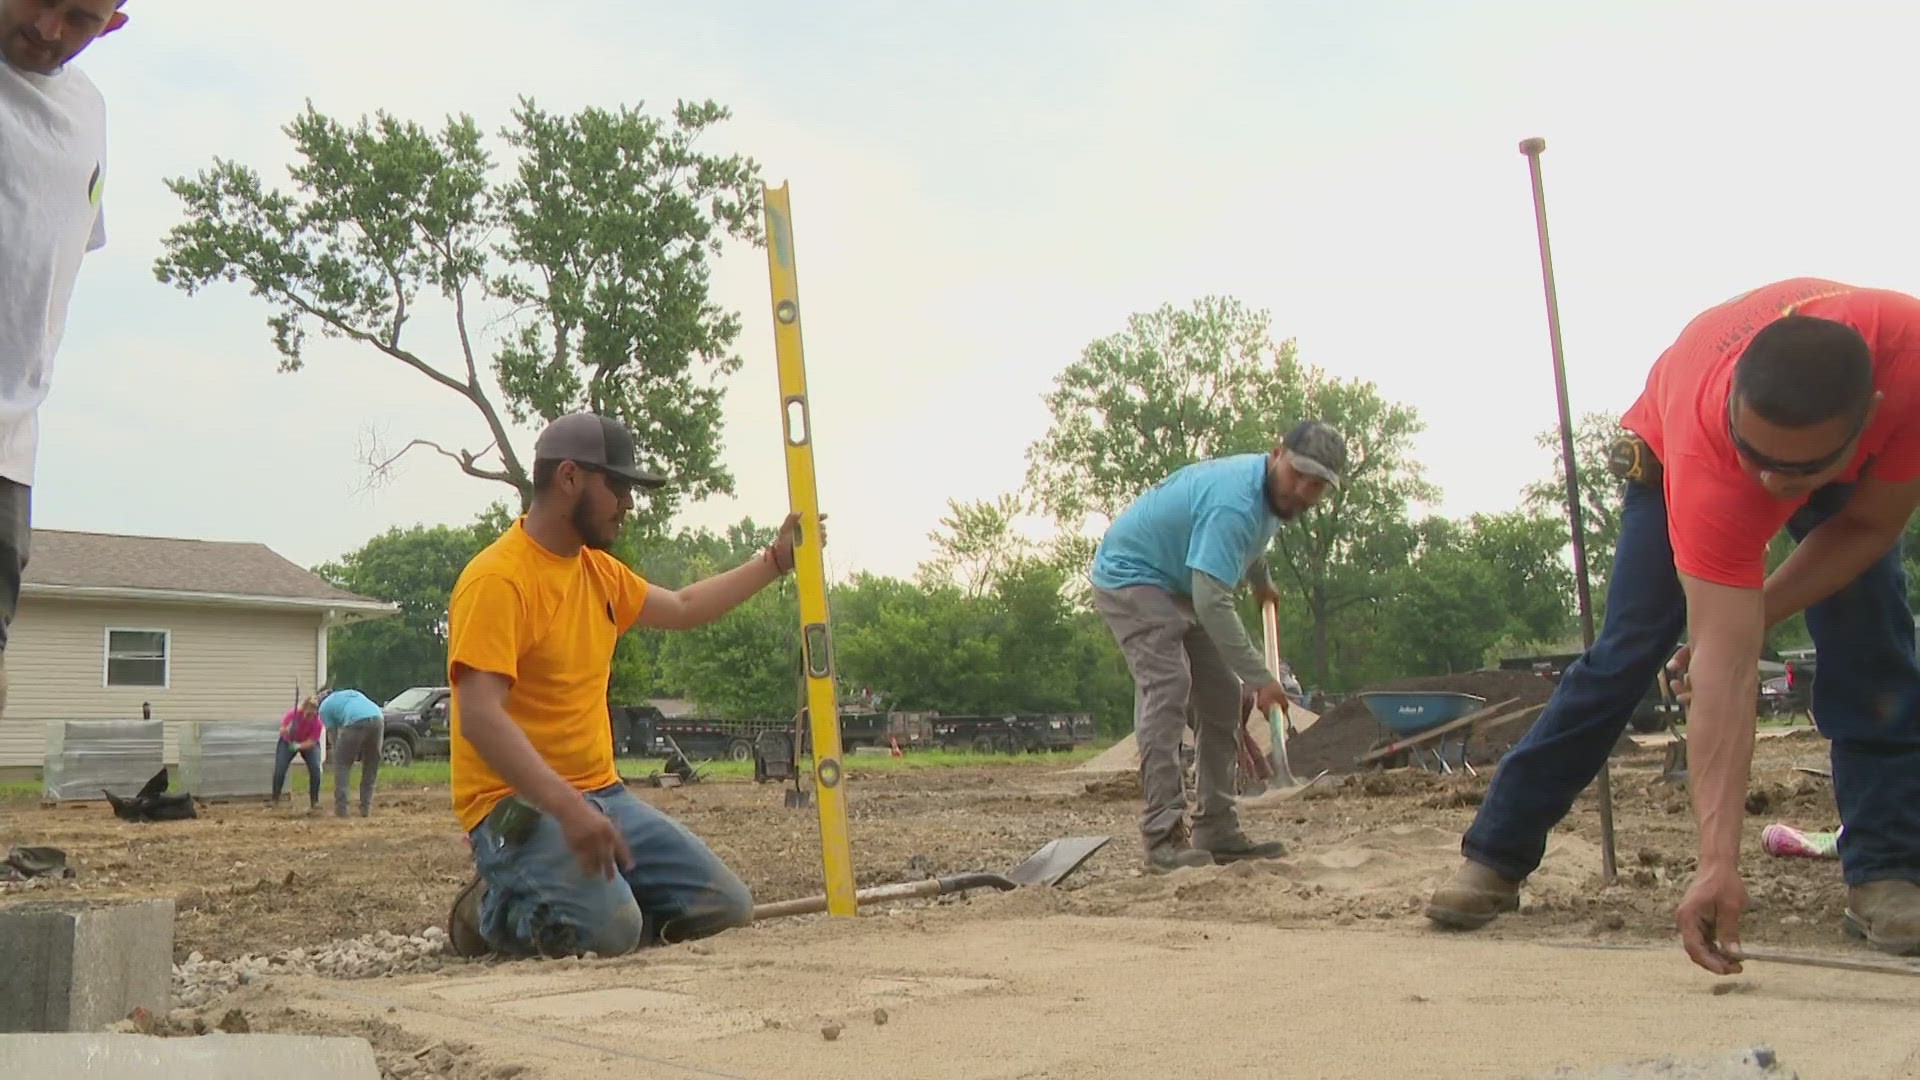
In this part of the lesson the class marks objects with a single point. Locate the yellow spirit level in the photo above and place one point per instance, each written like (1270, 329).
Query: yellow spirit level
(823, 711)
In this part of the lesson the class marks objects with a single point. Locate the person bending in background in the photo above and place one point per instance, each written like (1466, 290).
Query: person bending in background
(357, 727)
(300, 733)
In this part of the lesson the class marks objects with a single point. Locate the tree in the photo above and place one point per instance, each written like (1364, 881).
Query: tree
(1173, 388)
(1471, 587)
(975, 545)
(592, 251)
(1533, 585)
(1342, 555)
(415, 568)
(1601, 496)
(745, 664)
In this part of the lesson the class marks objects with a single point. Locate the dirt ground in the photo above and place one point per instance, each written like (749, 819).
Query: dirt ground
(1330, 936)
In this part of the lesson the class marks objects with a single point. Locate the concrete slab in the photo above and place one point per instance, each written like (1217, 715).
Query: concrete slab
(80, 966)
(208, 1057)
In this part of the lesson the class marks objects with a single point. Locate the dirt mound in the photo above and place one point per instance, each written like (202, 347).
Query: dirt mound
(1348, 730)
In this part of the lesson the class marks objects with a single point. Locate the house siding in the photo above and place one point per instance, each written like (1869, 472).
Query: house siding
(224, 663)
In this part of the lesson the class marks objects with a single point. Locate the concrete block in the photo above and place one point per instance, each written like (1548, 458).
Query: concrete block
(207, 1057)
(79, 966)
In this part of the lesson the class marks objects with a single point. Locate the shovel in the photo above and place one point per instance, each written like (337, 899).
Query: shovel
(1277, 719)
(1048, 866)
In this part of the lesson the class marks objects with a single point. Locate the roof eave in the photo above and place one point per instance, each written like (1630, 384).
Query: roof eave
(336, 609)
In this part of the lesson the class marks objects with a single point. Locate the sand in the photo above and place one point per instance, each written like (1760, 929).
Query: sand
(1317, 965)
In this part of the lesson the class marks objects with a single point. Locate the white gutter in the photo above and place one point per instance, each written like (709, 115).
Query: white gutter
(337, 611)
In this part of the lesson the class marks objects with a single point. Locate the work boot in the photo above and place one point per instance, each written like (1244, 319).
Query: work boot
(1236, 846)
(1173, 851)
(463, 922)
(1887, 915)
(1473, 898)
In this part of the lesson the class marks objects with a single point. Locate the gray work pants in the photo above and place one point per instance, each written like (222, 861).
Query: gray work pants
(357, 742)
(1178, 676)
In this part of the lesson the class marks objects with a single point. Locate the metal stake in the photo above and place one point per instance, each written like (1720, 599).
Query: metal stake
(1533, 148)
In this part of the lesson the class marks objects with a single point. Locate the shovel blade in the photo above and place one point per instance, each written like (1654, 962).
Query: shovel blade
(1056, 860)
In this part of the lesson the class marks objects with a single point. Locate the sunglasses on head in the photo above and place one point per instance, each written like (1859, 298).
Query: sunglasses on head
(1791, 468)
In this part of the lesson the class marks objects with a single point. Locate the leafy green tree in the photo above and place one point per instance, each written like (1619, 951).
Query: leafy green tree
(975, 545)
(1176, 386)
(1601, 497)
(1471, 587)
(592, 252)
(1342, 556)
(415, 568)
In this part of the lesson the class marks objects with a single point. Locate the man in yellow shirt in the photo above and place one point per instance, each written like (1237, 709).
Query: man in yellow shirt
(567, 860)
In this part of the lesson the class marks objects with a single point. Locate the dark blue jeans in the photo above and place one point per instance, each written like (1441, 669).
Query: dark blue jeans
(540, 901)
(1866, 701)
(283, 757)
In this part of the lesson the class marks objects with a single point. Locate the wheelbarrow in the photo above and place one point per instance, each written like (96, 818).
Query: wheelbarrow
(1409, 720)
(1047, 866)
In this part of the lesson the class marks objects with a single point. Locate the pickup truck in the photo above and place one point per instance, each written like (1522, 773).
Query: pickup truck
(416, 725)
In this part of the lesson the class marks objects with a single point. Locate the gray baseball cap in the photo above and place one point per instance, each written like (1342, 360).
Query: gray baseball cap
(597, 441)
(1318, 450)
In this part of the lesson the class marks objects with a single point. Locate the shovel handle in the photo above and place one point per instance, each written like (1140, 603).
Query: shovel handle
(906, 890)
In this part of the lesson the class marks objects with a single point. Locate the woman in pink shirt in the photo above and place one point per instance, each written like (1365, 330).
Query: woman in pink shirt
(299, 734)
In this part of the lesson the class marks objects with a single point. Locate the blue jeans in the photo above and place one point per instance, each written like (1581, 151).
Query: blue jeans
(1866, 701)
(541, 902)
(283, 757)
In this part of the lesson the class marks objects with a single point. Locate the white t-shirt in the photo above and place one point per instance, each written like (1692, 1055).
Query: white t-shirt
(53, 159)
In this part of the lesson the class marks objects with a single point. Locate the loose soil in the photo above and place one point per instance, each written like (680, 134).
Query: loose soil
(1098, 958)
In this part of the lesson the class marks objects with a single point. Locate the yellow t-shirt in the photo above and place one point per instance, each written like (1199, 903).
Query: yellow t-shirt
(548, 623)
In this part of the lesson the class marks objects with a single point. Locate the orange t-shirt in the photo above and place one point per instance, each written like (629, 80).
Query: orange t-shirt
(1718, 517)
(548, 623)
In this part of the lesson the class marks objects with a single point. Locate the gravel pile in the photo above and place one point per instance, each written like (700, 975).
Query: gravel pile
(200, 980)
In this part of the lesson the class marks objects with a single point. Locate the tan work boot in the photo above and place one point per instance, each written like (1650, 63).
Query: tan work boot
(1474, 897)
(1237, 846)
(1887, 915)
(1174, 851)
(463, 922)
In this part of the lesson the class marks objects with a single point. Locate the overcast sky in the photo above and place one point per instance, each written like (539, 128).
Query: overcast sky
(981, 189)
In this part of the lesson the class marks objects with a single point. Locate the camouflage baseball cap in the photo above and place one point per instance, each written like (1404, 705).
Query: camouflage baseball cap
(596, 441)
(1318, 450)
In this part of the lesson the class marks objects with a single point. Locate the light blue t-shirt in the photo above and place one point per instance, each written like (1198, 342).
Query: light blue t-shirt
(345, 707)
(1211, 516)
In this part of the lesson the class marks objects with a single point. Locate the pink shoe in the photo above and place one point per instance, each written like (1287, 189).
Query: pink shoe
(1787, 842)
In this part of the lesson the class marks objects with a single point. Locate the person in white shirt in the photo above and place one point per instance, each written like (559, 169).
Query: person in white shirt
(53, 150)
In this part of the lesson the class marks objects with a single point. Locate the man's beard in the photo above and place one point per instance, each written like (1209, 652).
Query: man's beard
(589, 530)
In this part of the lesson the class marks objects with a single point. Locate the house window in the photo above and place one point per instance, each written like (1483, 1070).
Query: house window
(138, 657)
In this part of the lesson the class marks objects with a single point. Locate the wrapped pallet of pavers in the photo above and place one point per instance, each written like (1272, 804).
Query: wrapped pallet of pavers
(88, 757)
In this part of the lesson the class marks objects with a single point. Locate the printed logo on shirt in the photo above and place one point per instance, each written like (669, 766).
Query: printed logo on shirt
(95, 185)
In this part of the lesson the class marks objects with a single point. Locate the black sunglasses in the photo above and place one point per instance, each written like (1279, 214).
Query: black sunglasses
(621, 486)
(1792, 468)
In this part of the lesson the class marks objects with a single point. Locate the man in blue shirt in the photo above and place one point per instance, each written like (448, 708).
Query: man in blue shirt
(1163, 579)
(358, 727)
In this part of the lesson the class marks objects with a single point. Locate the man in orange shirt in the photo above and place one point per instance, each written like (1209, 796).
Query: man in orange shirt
(1796, 405)
(567, 860)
